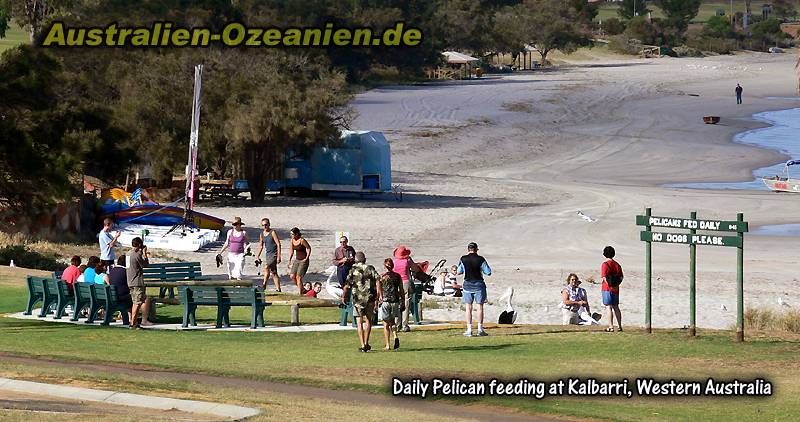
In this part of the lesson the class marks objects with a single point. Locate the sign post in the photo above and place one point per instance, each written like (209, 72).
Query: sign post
(693, 238)
(740, 283)
(648, 274)
(692, 281)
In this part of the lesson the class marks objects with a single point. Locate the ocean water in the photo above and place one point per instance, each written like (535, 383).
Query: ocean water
(782, 135)
(777, 230)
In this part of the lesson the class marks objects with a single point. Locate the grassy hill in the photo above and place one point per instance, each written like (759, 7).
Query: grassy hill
(14, 37)
(707, 10)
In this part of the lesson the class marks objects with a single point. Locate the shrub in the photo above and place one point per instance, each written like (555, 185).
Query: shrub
(613, 26)
(641, 29)
(712, 44)
(624, 45)
(764, 319)
(23, 257)
(718, 26)
(768, 32)
(686, 51)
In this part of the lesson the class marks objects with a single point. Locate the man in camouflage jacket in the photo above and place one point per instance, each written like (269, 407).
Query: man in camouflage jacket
(361, 282)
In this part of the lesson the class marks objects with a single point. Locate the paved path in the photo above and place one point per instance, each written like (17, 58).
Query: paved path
(126, 399)
(433, 408)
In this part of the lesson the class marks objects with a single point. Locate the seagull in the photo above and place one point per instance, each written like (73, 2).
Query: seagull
(723, 307)
(508, 316)
(586, 217)
(782, 302)
(546, 308)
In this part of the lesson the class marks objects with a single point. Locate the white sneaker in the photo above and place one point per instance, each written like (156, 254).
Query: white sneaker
(467, 333)
(482, 333)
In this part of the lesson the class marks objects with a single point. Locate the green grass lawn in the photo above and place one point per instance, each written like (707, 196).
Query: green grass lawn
(707, 10)
(14, 37)
(538, 352)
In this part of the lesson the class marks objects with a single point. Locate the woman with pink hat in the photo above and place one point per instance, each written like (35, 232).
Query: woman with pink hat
(402, 265)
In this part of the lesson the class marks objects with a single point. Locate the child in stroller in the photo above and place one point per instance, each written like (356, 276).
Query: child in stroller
(422, 273)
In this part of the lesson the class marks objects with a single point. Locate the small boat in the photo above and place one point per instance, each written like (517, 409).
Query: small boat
(711, 120)
(134, 208)
(164, 215)
(784, 183)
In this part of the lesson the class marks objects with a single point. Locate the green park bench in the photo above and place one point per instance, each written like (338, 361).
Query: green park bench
(96, 297)
(171, 272)
(51, 292)
(37, 291)
(82, 296)
(416, 297)
(59, 295)
(35, 294)
(347, 309)
(223, 298)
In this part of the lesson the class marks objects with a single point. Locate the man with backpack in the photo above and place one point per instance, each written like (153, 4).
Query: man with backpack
(612, 275)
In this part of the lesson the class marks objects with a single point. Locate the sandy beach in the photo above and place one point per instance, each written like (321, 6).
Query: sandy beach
(507, 161)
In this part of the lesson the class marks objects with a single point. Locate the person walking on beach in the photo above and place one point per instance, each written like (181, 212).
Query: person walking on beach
(402, 266)
(236, 243)
(108, 241)
(738, 94)
(270, 244)
(612, 275)
(362, 282)
(474, 267)
(343, 258)
(390, 292)
(302, 249)
(138, 259)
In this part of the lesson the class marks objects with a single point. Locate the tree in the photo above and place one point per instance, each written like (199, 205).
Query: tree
(32, 14)
(628, 9)
(718, 27)
(642, 30)
(277, 102)
(46, 137)
(613, 26)
(546, 24)
(784, 9)
(768, 32)
(679, 12)
(584, 12)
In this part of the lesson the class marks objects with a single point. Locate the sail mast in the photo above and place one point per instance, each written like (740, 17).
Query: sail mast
(191, 167)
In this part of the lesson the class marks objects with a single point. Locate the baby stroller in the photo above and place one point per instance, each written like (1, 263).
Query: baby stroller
(422, 273)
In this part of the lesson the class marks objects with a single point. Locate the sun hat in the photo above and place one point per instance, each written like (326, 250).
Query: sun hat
(402, 252)
(237, 221)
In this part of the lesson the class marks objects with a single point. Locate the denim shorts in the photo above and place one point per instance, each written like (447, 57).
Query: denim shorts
(477, 296)
(610, 298)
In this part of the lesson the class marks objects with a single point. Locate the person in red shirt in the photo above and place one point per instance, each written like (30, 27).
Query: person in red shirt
(71, 273)
(610, 270)
(313, 292)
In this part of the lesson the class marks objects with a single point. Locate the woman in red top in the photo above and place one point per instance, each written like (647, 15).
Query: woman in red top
(611, 269)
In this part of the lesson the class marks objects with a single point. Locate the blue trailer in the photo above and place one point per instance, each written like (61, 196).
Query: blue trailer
(361, 164)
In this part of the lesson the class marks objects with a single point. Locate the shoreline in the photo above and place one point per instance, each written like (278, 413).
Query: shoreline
(764, 124)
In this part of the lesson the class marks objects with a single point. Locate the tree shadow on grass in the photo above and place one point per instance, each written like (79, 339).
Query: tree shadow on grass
(465, 348)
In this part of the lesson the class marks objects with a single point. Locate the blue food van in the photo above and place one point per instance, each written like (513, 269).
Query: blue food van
(361, 163)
